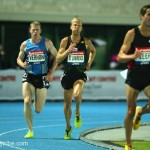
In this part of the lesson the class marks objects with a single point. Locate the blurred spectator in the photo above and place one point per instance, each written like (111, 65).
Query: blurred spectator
(99, 60)
(2, 57)
(113, 63)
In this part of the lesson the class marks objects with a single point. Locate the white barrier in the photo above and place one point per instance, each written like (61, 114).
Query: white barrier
(102, 85)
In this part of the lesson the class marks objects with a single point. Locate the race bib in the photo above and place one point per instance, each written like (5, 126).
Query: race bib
(76, 58)
(36, 56)
(145, 57)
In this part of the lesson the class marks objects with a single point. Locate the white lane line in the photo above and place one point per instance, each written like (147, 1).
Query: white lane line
(27, 128)
(6, 145)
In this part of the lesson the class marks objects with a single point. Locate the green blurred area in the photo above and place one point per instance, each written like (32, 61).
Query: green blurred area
(137, 145)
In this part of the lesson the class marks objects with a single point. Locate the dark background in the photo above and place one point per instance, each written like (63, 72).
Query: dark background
(111, 37)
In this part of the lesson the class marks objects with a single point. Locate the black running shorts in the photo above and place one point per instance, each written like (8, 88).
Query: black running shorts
(138, 79)
(38, 81)
(68, 79)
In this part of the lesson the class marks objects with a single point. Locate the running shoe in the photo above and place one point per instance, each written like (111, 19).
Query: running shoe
(128, 147)
(78, 122)
(29, 135)
(67, 135)
(137, 119)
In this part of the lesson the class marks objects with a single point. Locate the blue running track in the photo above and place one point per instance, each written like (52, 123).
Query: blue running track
(49, 126)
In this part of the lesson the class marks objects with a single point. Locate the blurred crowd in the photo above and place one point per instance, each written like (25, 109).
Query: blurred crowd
(2, 57)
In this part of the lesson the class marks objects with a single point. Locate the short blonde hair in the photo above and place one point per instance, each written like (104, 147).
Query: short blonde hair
(35, 23)
(76, 18)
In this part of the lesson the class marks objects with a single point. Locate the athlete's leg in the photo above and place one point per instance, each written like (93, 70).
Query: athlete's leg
(28, 91)
(67, 107)
(131, 95)
(141, 110)
(146, 108)
(77, 93)
(40, 98)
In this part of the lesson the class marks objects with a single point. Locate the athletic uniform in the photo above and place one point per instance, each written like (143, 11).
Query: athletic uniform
(138, 75)
(37, 58)
(75, 65)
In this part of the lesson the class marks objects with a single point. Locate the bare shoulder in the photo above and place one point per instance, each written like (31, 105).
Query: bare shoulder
(129, 37)
(89, 45)
(131, 33)
(23, 45)
(87, 41)
(50, 46)
(64, 40)
(48, 41)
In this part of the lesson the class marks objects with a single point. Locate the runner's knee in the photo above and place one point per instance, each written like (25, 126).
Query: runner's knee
(38, 110)
(131, 113)
(27, 102)
(77, 96)
(67, 105)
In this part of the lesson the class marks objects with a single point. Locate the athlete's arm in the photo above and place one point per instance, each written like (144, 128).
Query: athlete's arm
(21, 56)
(92, 52)
(63, 52)
(50, 47)
(122, 55)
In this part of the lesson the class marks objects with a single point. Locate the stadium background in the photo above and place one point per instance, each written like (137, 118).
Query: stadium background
(104, 22)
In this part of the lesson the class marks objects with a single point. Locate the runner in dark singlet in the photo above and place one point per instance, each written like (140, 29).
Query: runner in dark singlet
(136, 51)
(77, 54)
